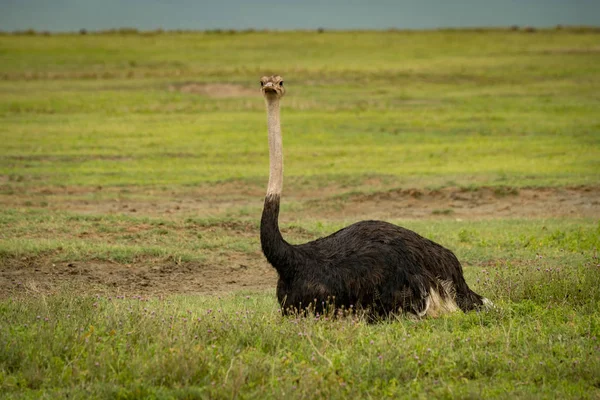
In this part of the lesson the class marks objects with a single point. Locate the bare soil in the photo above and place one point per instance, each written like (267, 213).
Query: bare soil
(249, 271)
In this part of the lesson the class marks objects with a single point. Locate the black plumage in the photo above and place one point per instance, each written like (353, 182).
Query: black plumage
(373, 265)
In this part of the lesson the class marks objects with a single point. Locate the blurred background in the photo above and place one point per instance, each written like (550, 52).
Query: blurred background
(70, 15)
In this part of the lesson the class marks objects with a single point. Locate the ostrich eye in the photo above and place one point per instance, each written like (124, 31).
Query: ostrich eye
(262, 83)
(281, 83)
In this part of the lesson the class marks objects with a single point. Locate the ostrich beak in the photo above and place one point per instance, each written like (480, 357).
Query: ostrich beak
(269, 88)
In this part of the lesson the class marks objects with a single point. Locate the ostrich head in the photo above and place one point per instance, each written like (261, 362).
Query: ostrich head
(272, 87)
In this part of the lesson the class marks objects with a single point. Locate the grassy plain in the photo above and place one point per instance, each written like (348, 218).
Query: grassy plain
(144, 156)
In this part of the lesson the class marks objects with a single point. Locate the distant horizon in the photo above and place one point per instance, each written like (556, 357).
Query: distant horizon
(65, 16)
(133, 30)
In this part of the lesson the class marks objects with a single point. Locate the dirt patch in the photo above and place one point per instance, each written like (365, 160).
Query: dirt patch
(323, 203)
(214, 89)
(149, 277)
(231, 270)
(464, 204)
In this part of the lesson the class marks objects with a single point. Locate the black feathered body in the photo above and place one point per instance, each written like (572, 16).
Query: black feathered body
(373, 265)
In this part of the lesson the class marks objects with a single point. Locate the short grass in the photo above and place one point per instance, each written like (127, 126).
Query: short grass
(122, 238)
(439, 108)
(102, 115)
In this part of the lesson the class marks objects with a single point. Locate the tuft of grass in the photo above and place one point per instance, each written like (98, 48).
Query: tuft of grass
(544, 283)
(502, 191)
(445, 211)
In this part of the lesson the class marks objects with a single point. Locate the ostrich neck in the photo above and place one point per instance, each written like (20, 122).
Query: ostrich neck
(275, 248)
(275, 149)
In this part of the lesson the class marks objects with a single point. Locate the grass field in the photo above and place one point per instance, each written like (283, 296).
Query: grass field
(132, 173)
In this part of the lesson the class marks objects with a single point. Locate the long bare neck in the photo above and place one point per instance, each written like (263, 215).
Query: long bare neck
(275, 148)
(275, 248)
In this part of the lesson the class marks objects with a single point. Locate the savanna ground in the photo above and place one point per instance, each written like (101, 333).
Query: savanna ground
(133, 169)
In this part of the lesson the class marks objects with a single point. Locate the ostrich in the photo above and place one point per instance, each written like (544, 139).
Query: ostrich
(375, 265)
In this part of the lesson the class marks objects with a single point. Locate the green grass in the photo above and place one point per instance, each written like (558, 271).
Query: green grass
(123, 238)
(92, 123)
(426, 108)
(541, 341)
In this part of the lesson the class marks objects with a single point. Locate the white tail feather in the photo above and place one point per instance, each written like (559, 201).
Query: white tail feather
(487, 304)
(437, 305)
